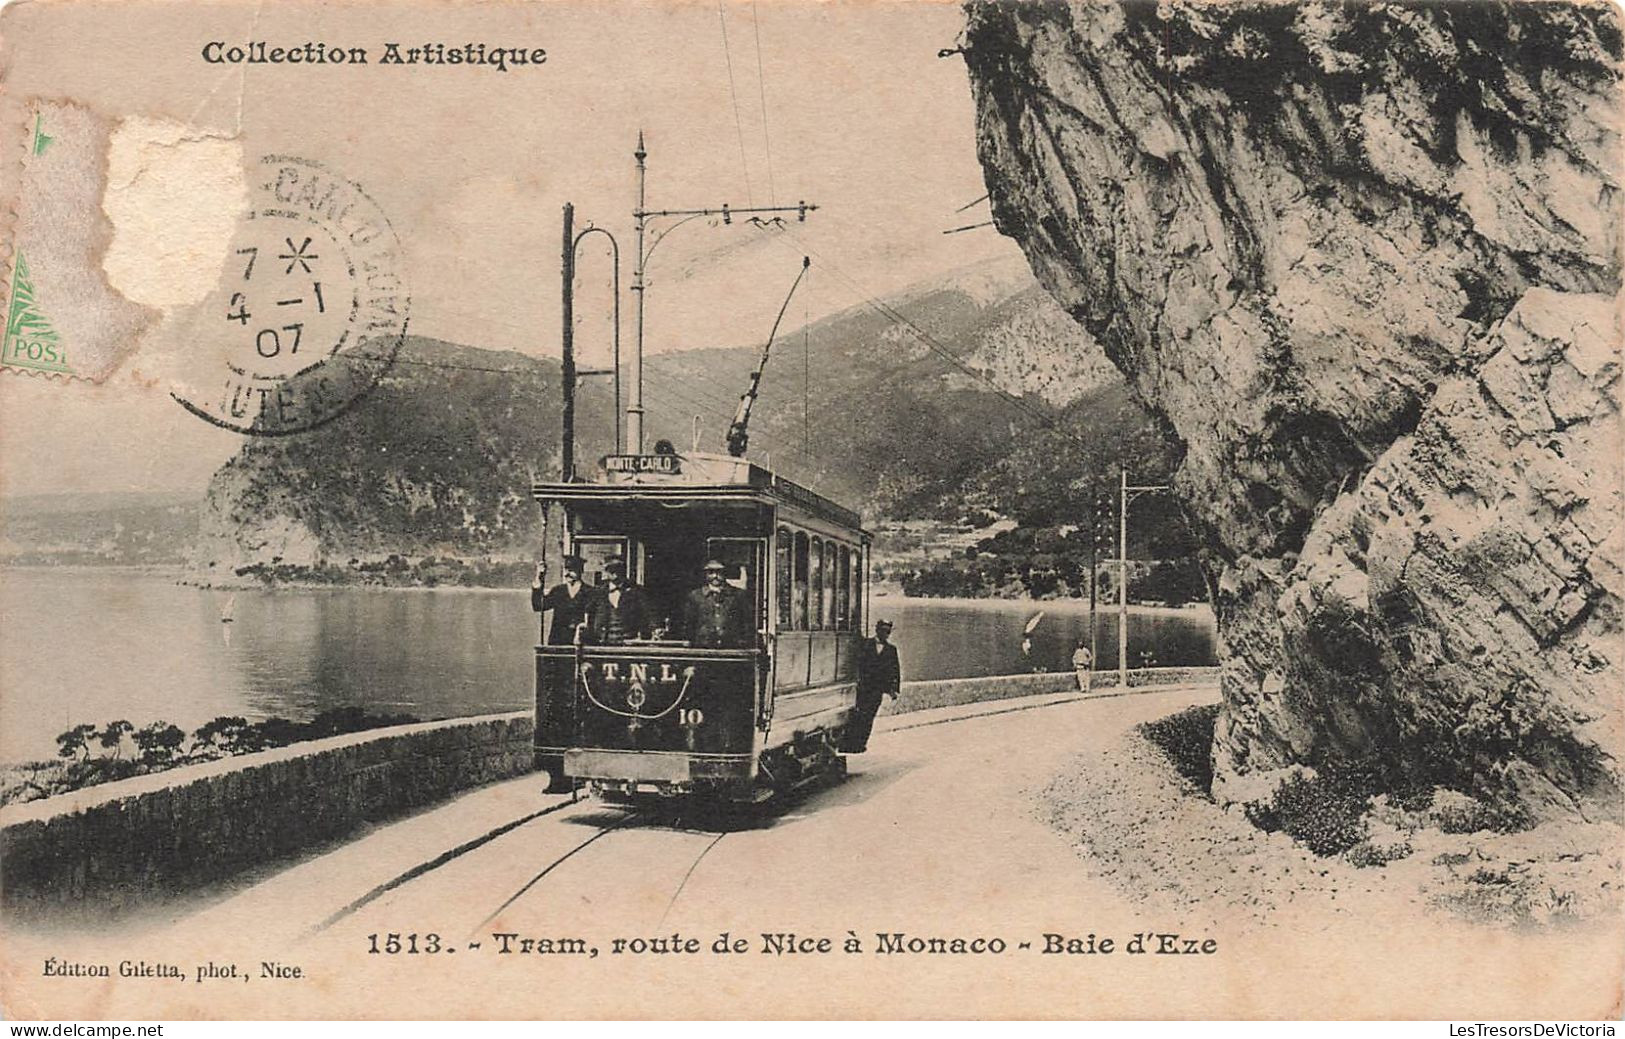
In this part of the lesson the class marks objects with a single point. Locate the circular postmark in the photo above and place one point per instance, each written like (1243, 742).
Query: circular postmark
(310, 310)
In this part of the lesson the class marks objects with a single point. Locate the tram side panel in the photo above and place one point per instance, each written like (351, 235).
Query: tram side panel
(629, 716)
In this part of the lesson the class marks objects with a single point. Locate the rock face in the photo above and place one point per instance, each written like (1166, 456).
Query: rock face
(1365, 259)
(436, 461)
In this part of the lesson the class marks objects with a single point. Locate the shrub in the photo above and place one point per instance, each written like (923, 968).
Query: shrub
(1472, 816)
(1366, 854)
(1326, 814)
(1187, 739)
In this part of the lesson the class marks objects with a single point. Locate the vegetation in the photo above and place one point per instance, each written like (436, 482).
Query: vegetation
(90, 754)
(1359, 811)
(396, 571)
(1187, 739)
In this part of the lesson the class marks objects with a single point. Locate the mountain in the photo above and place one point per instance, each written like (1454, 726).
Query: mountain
(910, 409)
(436, 460)
(111, 529)
(944, 400)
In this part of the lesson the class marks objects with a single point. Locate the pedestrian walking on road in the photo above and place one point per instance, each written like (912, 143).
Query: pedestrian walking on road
(880, 674)
(1083, 662)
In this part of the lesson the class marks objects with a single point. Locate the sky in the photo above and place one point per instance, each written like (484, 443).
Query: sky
(845, 105)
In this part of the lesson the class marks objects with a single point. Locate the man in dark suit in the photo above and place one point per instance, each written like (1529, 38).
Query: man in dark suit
(619, 611)
(717, 614)
(570, 602)
(880, 674)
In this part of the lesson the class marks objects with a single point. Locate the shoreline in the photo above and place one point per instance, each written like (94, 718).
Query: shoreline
(189, 578)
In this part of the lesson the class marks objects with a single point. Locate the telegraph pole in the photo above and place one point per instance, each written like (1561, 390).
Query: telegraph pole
(567, 366)
(569, 373)
(1097, 502)
(634, 402)
(641, 217)
(1125, 495)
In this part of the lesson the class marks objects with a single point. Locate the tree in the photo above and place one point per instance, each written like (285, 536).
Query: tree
(75, 742)
(112, 737)
(159, 743)
(221, 737)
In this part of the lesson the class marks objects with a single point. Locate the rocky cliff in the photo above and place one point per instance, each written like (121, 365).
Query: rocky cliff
(436, 461)
(1365, 259)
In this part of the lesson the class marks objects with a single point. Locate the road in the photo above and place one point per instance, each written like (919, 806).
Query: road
(936, 834)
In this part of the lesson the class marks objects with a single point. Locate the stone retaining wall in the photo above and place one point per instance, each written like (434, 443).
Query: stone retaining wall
(119, 842)
(122, 842)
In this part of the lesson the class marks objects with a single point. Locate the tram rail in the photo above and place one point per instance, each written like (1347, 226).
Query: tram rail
(667, 818)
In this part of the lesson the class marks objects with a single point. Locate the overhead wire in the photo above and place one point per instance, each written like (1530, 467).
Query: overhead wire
(761, 89)
(739, 125)
(936, 347)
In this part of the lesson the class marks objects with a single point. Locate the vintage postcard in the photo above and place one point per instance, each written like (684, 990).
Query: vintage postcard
(832, 510)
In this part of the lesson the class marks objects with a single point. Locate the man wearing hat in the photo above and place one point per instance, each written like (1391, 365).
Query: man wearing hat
(716, 614)
(618, 611)
(570, 601)
(880, 674)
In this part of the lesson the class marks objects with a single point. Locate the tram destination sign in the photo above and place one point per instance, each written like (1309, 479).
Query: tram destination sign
(669, 464)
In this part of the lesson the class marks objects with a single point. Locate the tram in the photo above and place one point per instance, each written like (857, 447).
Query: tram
(655, 714)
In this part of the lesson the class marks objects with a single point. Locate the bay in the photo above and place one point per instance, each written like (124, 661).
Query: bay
(86, 645)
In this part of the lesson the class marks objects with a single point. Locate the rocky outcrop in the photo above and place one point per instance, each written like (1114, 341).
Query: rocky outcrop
(436, 461)
(1365, 259)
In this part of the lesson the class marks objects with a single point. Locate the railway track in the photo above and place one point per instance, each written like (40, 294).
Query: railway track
(672, 818)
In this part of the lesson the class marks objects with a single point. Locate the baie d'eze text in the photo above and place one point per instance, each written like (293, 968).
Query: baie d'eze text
(259, 52)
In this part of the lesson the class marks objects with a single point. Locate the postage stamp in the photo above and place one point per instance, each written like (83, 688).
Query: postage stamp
(310, 309)
(62, 317)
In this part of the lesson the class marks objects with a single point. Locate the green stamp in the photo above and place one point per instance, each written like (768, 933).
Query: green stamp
(30, 340)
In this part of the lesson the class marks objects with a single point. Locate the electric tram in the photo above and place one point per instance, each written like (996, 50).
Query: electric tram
(652, 710)
(659, 715)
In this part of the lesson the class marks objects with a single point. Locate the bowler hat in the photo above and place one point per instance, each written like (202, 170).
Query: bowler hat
(716, 565)
(615, 566)
(574, 563)
(883, 624)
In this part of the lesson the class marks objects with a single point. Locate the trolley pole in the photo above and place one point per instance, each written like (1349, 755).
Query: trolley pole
(1125, 495)
(641, 217)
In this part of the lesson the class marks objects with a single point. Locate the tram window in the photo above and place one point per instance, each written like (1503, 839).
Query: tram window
(816, 613)
(783, 583)
(829, 585)
(857, 591)
(595, 552)
(799, 607)
(843, 591)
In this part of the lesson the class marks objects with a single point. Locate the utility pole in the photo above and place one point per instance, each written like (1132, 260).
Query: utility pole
(641, 217)
(1124, 497)
(567, 366)
(634, 402)
(569, 374)
(1096, 501)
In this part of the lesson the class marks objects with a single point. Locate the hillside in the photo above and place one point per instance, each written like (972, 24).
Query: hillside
(98, 529)
(436, 461)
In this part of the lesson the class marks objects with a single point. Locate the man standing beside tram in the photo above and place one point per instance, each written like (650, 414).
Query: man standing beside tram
(570, 601)
(880, 674)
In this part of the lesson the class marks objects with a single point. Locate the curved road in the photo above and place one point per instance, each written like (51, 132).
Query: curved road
(936, 834)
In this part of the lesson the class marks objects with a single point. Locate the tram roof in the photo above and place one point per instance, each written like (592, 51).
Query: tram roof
(701, 477)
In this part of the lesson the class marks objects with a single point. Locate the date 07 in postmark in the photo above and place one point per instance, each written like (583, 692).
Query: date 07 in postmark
(310, 312)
